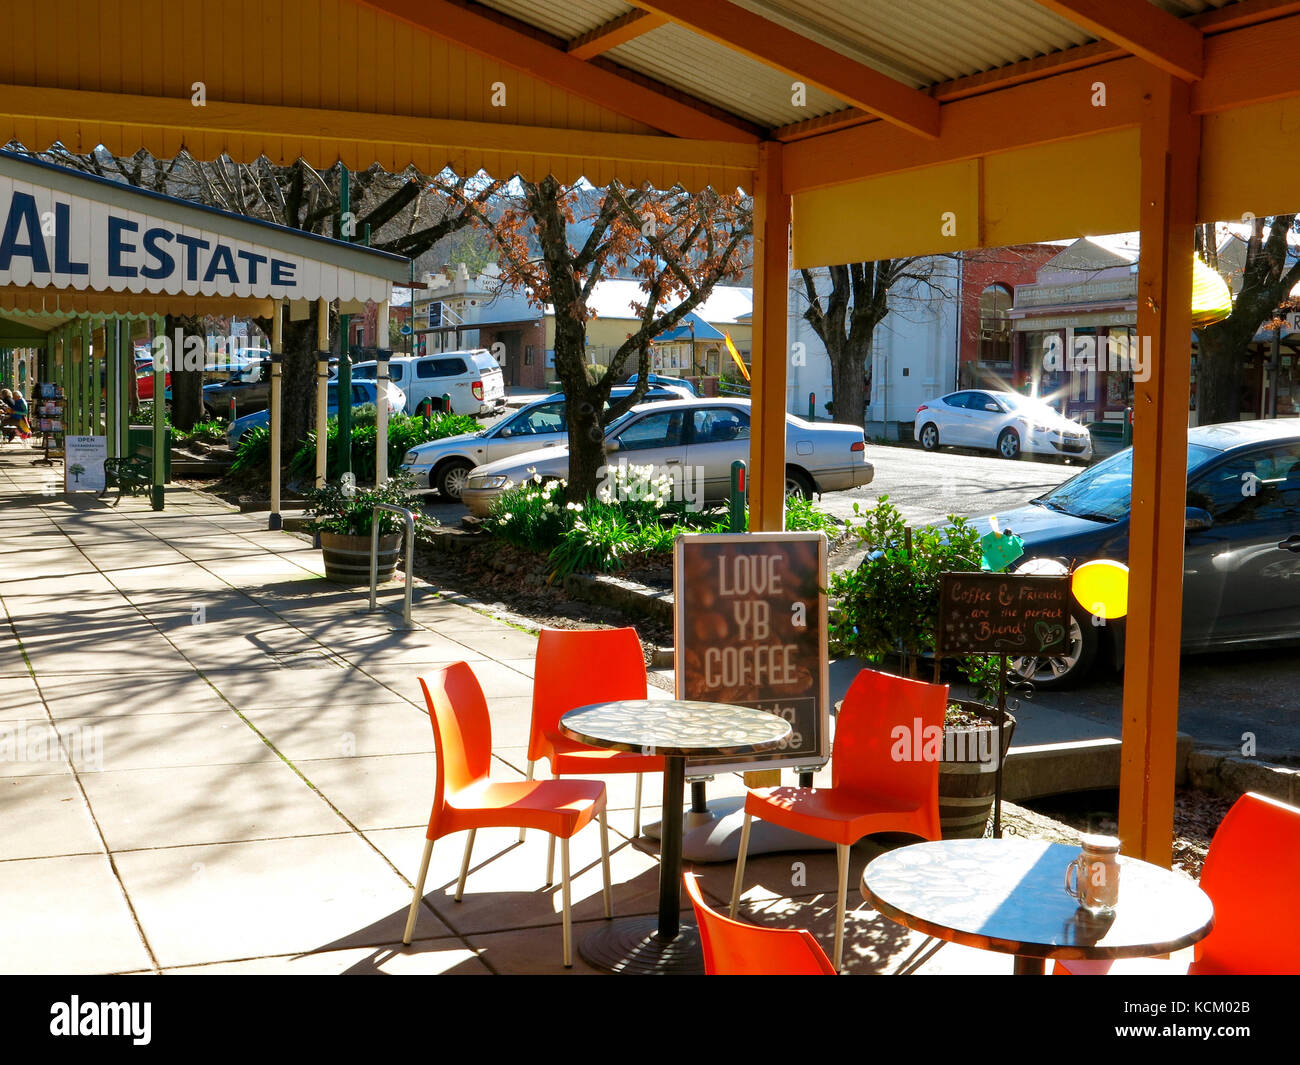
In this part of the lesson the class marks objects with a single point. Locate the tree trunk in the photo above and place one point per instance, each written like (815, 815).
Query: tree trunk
(583, 403)
(187, 382)
(1218, 371)
(848, 386)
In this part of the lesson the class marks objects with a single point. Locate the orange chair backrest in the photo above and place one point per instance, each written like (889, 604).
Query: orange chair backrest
(885, 736)
(732, 948)
(1252, 874)
(462, 729)
(577, 667)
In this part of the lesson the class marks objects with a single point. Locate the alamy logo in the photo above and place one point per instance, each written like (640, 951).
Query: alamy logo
(75, 1017)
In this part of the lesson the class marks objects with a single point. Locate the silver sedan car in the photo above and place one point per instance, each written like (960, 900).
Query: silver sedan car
(694, 444)
(445, 464)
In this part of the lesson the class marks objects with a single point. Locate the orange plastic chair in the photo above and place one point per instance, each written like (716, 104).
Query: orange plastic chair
(464, 799)
(1250, 874)
(870, 790)
(578, 667)
(733, 948)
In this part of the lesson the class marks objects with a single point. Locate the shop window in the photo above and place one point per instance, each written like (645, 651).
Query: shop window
(995, 324)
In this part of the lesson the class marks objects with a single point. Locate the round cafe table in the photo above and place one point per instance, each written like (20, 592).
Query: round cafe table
(1009, 895)
(676, 729)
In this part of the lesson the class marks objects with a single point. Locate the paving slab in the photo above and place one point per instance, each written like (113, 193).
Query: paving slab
(67, 915)
(234, 901)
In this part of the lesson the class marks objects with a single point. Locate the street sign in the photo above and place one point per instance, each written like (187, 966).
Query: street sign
(1000, 613)
(750, 630)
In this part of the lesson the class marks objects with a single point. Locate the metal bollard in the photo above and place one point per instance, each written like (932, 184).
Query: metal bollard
(812, 406)
(738, 496)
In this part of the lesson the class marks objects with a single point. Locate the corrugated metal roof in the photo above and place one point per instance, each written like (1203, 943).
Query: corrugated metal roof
(721, 76)
(563, 18)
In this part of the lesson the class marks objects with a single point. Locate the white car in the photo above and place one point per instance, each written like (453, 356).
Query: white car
(445, 464)
(1005, 422)
(473, 379)
(694, 443)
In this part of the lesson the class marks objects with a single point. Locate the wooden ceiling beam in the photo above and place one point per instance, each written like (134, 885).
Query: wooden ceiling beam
(1172, 44)
(613, 33)
(527, 52)
(805, 60)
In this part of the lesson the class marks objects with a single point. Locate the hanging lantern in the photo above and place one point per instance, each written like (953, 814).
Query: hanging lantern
(1101, 587)
(1211, 297)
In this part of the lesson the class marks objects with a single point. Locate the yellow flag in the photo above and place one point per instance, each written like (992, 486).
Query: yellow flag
(736, 355)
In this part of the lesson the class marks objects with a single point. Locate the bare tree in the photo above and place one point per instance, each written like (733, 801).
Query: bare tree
(1269, 274)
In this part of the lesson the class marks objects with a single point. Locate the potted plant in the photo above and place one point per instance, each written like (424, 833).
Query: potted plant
(889, 606)
(342, 516)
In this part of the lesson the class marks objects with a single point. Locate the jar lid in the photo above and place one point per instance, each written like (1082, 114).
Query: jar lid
(1100, 844)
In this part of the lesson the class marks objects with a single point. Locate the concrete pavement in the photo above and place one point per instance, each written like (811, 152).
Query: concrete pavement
(211, 760)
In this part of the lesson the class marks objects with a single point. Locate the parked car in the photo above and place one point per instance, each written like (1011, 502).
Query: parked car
(659, 379)
(249, 386)
(472, 379)
(1005, 422)
(144, 380)
(1241, 564)
(363, 394)
(445, 464)
(697, 441)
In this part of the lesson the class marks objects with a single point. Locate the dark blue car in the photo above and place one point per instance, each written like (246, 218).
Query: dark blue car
(1241, 584)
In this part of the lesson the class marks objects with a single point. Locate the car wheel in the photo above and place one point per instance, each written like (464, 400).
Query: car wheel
(1063, 671)
(798, 485)
(930, 436)
(451, 478)
(1009, 444)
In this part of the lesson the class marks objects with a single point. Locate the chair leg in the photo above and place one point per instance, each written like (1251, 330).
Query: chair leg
(419, 892)
(740, 866)
(531, 764)
(636, 810)
(464, 865)
(604, 861)
(842, 853)
(550, 862)
(564, 892)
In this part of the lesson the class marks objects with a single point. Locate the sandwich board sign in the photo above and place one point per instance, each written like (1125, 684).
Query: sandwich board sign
(749, 629)
(83, 463)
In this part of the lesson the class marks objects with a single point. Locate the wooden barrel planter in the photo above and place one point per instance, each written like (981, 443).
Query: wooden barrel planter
(347, 558)
(968, 773)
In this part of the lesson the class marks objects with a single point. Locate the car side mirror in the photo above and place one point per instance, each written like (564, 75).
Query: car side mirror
(1198, 520)
(507, 431)
(993, 407)
(611, 445)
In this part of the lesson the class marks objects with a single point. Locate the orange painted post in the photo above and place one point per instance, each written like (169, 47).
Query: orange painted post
(1170, 152)
(768, 347)
(768, 354)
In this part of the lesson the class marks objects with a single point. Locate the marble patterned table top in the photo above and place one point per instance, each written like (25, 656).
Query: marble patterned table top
(675, 727)
(1008, 895)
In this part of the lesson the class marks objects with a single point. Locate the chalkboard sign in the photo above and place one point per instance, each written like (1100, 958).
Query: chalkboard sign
(1002, 613)
(750, 630)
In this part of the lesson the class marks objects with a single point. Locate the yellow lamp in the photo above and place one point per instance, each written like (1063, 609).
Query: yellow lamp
(1211, 296)
(1101, 587)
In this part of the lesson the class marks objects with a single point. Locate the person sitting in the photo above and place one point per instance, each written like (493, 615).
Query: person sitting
(13, 415)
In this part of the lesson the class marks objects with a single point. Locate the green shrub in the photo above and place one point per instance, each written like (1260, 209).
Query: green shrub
(404, 433)
(212, 431)
(253, 452)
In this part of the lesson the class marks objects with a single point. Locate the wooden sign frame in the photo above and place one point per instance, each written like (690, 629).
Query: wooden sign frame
(699, 602)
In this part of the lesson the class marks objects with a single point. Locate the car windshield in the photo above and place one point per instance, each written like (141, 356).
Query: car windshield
(1102, 492)
(1028, 404)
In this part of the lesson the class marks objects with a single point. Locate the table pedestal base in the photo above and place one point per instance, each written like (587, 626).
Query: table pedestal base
(632, 945)
(715, 836)
(1029, 966)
